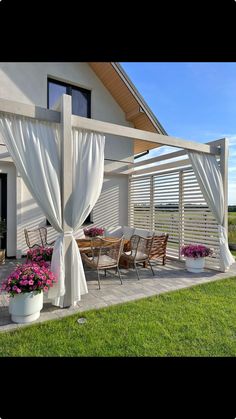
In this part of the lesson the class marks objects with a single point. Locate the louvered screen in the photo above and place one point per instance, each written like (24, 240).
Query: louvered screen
(166, 209)
(199, 225)
(173, 203)
(139, 202)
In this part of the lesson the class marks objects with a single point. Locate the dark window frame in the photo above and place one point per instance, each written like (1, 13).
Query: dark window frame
(69, 88)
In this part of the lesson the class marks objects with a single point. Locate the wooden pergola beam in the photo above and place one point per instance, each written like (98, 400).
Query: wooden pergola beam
(49, 115)
(30, 111)
(127, 132)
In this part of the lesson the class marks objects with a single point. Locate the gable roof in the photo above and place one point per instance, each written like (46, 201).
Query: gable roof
(130, 100)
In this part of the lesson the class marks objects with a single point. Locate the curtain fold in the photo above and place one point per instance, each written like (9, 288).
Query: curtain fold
(88, 172)
(35, 148)
(207, 172)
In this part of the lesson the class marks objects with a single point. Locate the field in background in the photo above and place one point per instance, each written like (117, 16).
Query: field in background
(232, 227)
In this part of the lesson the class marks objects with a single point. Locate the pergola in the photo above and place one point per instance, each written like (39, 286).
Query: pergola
(177, 181)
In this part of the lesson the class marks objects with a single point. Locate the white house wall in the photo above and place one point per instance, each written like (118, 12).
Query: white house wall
(27, 83)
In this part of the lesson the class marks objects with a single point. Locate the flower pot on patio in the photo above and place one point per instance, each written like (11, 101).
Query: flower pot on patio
(195, 265)
(25, 308)
(195, 256)
(25, 286)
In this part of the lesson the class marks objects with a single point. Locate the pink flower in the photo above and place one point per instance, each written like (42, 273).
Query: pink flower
(45, 289)
(196, 251)
(18, 290)
(31, 282)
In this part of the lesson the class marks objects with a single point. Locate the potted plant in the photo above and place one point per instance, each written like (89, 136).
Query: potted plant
(94, 232)
(25, 286)
(195, 256)
(40, 255)
(3, 230)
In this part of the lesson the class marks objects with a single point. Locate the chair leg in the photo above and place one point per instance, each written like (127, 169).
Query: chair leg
(105, 272)
(99, 286)
(136, 270)
(151, 267)
(164, 260)
(118, 271)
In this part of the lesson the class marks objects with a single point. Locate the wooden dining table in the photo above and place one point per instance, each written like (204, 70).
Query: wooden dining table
(85, 244)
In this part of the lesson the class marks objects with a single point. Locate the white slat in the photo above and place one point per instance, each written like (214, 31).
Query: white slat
(160, 201)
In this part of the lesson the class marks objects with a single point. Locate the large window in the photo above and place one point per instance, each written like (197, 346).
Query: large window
(81, 103)
(81, 98)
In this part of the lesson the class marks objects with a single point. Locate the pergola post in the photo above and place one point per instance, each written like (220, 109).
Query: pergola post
(224, 156)
(19, 229)
(66, 191)
(181, 212)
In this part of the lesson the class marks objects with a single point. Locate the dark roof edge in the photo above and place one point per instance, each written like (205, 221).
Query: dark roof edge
(139, 97)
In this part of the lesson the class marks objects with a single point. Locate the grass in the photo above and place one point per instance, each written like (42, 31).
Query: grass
(198, 321)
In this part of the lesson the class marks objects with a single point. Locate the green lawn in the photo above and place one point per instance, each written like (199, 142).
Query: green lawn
(199, 321)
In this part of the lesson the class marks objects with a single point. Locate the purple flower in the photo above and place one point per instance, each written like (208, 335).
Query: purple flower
(196, 251)
(93, 231)
(39, 278)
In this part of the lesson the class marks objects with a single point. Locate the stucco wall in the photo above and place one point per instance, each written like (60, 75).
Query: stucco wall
(27, 83)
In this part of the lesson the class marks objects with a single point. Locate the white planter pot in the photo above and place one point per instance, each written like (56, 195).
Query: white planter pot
(195, 265)
(25, 308)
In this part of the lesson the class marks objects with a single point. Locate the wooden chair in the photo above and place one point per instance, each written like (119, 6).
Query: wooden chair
(37, 237)
(159, 246)
(139, 252)
(105, 254)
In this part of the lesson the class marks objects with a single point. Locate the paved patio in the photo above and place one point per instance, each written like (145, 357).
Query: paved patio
(170, 277)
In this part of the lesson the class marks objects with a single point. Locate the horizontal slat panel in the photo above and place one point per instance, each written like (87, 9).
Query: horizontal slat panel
(198, 223)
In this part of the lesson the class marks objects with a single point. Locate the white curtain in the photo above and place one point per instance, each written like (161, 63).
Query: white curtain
(87, 172)
(35, 149)
(207, 172)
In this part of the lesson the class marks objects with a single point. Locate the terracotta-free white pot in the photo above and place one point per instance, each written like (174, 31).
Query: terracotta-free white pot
(25, 308)
(195, 265)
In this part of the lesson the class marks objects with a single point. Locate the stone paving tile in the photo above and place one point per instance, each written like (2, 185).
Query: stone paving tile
(172, 276)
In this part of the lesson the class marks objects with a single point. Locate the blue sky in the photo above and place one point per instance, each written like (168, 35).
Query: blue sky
(194, 101)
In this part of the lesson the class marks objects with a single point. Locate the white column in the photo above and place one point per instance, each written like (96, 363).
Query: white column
(152, 207)
(66, 188)
(181, 212)
(224, 155)
(19, 228)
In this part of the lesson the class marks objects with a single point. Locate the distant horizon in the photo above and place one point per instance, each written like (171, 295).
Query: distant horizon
(193, 101)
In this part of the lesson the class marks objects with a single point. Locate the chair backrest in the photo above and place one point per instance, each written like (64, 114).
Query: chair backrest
(107, 247)
(159, 246)
(37, 237)
(141, 245)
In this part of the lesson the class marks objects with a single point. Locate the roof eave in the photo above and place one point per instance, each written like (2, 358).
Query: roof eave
(117, 66)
